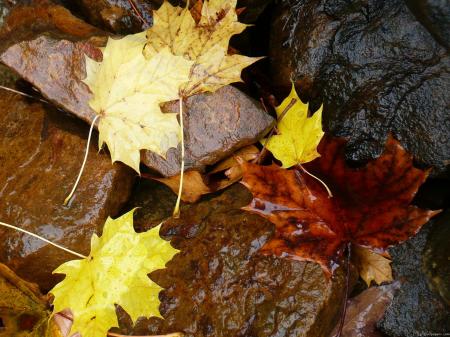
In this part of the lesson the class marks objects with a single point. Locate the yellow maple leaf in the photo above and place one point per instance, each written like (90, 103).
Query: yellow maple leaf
(299, 135)
(127, 92)
(115, 272)
(205, 43)
(372, 266)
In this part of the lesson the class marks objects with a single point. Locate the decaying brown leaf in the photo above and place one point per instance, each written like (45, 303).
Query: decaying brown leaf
(365, 310)
(222, 175)
(372, 266)
(23, 309)
(193, 186)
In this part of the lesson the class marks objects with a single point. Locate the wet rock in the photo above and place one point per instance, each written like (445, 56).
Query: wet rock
(415, 309)
(253, 9)
(4, 9)
(376, 69)
(219, 285)
(41, 151)
(437, 256)
(46, 46)
(154, 201)
(7, 77)
(216, 124)
(434, 15)
(118, 16)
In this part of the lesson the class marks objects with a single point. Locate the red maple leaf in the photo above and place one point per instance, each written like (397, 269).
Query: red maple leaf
(370, 208)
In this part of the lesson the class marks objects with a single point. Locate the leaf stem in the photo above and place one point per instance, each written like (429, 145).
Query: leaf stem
(347, 281)
(176, 211)
(66, 201)
(330, 195)
(285, 111)
(42, 239)
(23, 94)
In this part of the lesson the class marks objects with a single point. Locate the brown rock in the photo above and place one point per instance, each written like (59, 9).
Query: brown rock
(118, 16)
(54, 62)
(219, 285)
(216, 124)
(40, 155)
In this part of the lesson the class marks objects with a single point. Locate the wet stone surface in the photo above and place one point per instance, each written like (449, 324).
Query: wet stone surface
(437, 256)
(40, 155)
(415, 308)
(219, 285)
(375, 67)
(117, 16)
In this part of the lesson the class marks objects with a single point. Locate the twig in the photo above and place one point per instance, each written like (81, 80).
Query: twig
(66, 201)
(285, 111)
(176, 211)
(330, 195)
(137, 12)
(42, 239)
(347, 278)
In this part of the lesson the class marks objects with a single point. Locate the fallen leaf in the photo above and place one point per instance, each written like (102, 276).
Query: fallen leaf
(370, 207)
(23, 309)
(299, 135)
(231, 168)
(372, 266)
(365, 310)
(204, 42)
(193, 185)
(115, 272)
(247, 153)
(196, 184)
(127, 93)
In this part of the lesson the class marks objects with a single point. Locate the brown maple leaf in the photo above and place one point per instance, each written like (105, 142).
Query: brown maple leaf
(370, 207)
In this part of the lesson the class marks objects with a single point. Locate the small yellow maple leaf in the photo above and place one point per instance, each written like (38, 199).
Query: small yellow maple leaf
(299, 135)
(115, 272)
(205, 43)
(127, 92)
(372, 266)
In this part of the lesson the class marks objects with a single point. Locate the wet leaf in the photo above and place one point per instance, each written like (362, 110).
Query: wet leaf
(366, 309)
(370, 208)
(115, 272)
(204, 42)
(193, 185)
(197, 184)
(23, 309)
(299, 135)
(128, 91)
(372, 266)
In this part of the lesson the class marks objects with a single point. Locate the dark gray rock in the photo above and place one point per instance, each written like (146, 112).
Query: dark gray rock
(415, 309)
(434, 15)
(436, 260)
(375, 67)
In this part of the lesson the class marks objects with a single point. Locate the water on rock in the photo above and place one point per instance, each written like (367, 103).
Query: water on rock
(375, 67)
(219, 285)
(41, 151)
